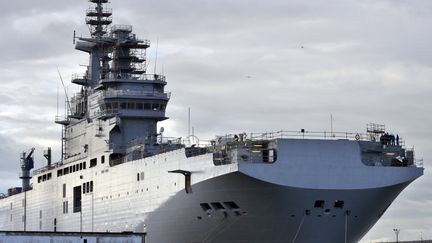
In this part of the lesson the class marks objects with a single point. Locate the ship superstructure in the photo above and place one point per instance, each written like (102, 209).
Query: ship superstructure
(118, 173)
(119, 102)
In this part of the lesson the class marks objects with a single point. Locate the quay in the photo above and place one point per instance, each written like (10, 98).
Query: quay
(70, 237)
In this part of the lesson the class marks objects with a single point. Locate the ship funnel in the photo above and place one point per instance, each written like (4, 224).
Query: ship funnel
(27, 164)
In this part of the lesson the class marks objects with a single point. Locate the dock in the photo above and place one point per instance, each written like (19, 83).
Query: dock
(70, 237)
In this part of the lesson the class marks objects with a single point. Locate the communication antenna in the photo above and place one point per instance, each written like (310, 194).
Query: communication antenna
(65, 91)
(157, 47)
(57, 101)
(189, 118)
(331, 124)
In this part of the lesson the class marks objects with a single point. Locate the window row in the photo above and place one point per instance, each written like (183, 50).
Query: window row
(87, 187)
(79, 167)
(72, 169)
(45, 177)
(65, 207)
(115, 106)
(140, 176)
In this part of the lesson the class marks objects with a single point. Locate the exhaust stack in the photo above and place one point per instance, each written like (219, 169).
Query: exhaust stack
(27, 164)
(47, 155)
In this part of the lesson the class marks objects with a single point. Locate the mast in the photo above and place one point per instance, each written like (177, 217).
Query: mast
(98, 19)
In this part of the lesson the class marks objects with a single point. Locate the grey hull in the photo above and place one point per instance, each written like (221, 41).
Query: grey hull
(267, 213)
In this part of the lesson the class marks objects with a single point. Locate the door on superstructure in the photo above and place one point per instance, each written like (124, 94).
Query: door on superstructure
(77, 199)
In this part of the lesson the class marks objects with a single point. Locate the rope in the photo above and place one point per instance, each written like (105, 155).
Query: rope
(221, 230)
(213, 230)
(298, 229)
(346, 226)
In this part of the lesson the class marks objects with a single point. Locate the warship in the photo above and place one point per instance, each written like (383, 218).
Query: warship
(119, 173)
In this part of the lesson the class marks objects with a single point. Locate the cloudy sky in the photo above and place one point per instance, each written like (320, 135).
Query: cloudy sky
(243, 65)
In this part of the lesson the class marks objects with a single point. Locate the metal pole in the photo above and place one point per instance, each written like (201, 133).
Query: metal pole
(397, 234)
(81, 221)
(331, 124)
(25, 211)
(92, 212)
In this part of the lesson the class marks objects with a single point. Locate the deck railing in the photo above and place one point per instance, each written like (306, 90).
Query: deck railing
(311, 135)
(304, 134)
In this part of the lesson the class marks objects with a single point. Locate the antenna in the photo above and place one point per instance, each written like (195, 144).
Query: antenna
(331, 124)
(65, 91)
(157, 47)
(57, 101)
(189, 118)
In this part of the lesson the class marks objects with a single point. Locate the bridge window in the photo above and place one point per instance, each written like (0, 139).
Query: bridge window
(155, 107)
(115, 106)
